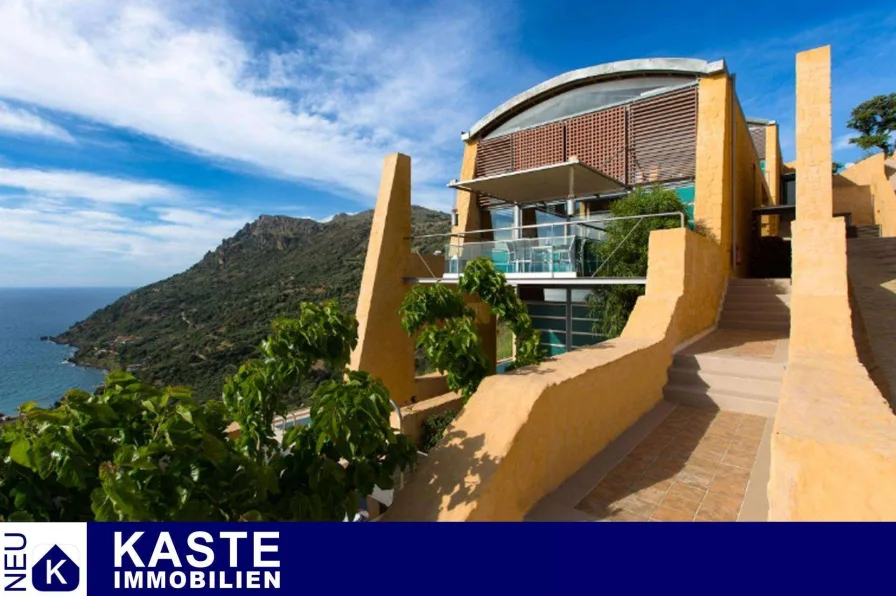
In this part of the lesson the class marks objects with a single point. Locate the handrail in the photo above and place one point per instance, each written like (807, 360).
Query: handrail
(680, 215)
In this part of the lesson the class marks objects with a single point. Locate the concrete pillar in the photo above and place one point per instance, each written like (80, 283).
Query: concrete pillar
(820, 312)
(814, 153)
(468, 215)
(384, 349)
(773, 163)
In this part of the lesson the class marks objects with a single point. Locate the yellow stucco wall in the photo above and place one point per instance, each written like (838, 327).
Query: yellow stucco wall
(872, 172)
(726, 189)
(773, 164)
(525, 432)
(832, 448)
(855, 199)
(712, 185)
(468, 215)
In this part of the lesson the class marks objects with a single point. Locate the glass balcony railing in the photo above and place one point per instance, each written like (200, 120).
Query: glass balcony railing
(553, 250)
(558, 256)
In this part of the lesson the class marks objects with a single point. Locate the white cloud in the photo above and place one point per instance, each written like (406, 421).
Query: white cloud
(21, 122)
(326, 112)
(842, 141)
(83, 185)
(73, 246)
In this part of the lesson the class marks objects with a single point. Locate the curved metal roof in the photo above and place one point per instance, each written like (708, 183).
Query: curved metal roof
(591, 74)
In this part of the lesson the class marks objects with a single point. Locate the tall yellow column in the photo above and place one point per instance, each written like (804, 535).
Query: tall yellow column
(820, 313)
(712, 187)
(814, 153)
(384, 349)
(773, 162)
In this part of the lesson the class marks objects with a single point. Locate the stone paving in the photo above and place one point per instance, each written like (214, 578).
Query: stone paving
(694, 466)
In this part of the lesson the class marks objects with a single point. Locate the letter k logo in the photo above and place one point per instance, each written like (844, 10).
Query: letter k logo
(55, 572)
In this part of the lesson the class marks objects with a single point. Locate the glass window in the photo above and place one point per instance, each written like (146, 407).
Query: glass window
(587, 99)
(501, 220)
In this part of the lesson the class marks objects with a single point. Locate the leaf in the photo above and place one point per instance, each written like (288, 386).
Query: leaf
(20, 452)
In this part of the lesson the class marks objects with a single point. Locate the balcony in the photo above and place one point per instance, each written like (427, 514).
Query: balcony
(565, 251)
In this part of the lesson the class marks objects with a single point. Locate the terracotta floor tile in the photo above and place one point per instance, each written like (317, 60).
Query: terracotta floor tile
(664, 468)
(680, 503)
(635, 463)
(746, 444)
(686, 491)
(661, 484)
(695, 477)
(707, 464)
(662, 513)
(728, 471)
(741, 451)
(680, 454)
(720, 505)
(650, 494)
(706, 516)
(728, 488)
(626, 516)
(709, 453)
(633, 504)
(739, 461)
(609, 490)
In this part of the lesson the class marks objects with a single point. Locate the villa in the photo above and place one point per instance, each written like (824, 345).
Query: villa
(753, 379)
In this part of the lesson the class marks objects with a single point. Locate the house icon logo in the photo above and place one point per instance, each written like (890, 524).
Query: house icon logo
(56, 571)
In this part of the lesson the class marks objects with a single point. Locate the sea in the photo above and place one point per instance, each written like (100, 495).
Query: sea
(35, 370)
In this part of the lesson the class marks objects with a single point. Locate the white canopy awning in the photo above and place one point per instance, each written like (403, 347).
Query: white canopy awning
(558, 181)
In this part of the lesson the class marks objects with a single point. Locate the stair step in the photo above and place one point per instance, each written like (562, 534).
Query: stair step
(769, 284)
(741, 367)
(772, 306)
(757, 316)
(756, 326)
(723, 400)
(757, 388)
(756, 291)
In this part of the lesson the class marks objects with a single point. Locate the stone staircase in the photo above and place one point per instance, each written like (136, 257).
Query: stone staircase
(740, 366)
(757, 304)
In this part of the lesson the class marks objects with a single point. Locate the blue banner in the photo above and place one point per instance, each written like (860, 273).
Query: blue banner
(429, 559)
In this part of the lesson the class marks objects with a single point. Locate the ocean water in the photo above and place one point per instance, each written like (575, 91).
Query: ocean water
(34, 370)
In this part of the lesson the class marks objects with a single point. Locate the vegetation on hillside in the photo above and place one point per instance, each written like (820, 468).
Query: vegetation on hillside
(137, 452)
(875, 120)
(624, 253)
(196, 327)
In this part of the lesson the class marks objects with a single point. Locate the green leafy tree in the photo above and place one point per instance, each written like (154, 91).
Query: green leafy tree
(134, 451)
(623, 253)
(445, 327)
(446, 333)
(875, 119)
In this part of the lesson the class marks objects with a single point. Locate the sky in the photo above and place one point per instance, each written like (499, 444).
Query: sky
(136, 135)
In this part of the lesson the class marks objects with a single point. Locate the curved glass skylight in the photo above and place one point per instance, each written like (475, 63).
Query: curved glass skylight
(587, 99)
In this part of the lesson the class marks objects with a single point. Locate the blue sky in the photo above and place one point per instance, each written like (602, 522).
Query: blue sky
(134, 136)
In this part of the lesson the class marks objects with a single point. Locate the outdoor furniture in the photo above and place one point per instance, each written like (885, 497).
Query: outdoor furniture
(562, 253)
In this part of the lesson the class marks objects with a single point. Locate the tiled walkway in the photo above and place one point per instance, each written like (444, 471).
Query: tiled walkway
(695, 465)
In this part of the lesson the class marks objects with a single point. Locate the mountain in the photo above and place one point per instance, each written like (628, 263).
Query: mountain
(197, 327)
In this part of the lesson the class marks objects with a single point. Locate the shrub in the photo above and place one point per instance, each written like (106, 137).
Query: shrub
(446, 327)
(136, 452)
(434, 428)
(624, 253)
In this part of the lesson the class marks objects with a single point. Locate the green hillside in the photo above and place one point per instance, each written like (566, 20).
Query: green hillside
(198, 326)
